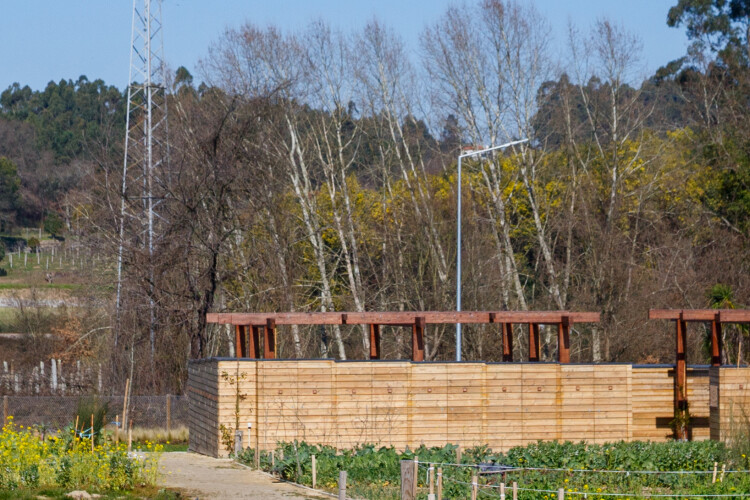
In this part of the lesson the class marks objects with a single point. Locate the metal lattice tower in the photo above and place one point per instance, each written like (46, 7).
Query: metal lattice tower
(146, 153)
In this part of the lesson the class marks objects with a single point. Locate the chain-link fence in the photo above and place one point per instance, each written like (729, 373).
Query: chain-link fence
(60, 411)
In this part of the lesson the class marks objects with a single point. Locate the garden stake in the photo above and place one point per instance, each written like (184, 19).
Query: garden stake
(515, 490)
(716, 464)
(440, 483)
(416, 476)
(130, 435)
(117, 429)
(432, 482)
(561, 494)
(474, 487)
(314, 471)
(342, 485)
(502, 491)
(92, 433)
(723, 469)
(75, 429)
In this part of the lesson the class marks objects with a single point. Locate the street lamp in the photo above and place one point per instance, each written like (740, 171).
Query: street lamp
(458, 236)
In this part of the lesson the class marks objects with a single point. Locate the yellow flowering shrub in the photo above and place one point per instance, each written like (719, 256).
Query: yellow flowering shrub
(64, 460)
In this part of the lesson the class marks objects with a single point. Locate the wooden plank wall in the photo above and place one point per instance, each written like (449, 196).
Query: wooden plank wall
(395, 403)
(203, 416)
(653, 402)
(729, 401)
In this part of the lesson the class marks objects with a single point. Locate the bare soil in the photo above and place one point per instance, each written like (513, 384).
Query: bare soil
(198, 476)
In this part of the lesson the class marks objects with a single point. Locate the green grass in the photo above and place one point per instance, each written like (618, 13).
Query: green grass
(7, 319)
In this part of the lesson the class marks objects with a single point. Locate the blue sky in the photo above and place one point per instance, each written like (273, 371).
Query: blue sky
(43, 40)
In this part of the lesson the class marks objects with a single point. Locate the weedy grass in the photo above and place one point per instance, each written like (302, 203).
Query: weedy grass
(63, 460)
(159, 435)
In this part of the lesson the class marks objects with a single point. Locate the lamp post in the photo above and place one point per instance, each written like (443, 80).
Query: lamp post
(458, 235)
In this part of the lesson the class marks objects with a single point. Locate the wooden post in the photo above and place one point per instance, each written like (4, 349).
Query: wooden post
(239, 351)
(507, 341)
(713, 479)
(563, 339)
(458, 453)
(716, 342)
(407, 480)
(374, 341)
(125, 405)
(515, 490)
(417, 339)
(502, 491)
(169, 415)
(342, 485)
(117, 429)
(254, 342)
(130, 436)
(561, 494)
(314, 471)
(723, 470)
(533, 342)
(5, 410)
(91, 433)
(474, 487)
(416, 476)
(431, 494)
(680, 377)
(440, 483)
(269, 340)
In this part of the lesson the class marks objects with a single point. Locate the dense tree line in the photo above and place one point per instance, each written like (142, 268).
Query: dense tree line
(316, 171)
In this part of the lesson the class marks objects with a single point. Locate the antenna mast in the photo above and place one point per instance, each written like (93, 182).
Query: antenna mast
(146, 152)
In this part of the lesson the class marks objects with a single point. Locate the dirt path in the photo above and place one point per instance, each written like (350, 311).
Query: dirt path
(198, 476)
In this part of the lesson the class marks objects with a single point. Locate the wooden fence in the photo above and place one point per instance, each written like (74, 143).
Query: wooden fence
(401, 403)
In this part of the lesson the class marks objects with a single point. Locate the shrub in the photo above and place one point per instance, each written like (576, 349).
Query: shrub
(33, 243)
(88, 408)
(63, 460)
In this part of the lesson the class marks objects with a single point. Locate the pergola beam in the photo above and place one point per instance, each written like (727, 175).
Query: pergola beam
(399, 318)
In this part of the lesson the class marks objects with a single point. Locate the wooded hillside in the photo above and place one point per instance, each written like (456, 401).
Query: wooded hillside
(316, 170)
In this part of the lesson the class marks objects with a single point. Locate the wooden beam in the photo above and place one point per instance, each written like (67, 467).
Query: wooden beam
(507, 341)
(698, 315)
(239, 345)
(374, 341)
(734, 315)
(254, 351)
(563, 340)
(664, 313)
(417, 339)
(716, 342)
(399, 317)
(680, 376)
(702, 315)
(269, 339)
(533, 342)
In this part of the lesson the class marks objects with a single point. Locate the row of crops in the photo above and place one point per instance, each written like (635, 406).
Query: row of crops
(630, 470)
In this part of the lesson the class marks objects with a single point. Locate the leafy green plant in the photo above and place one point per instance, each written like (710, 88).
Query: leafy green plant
(374, 472)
